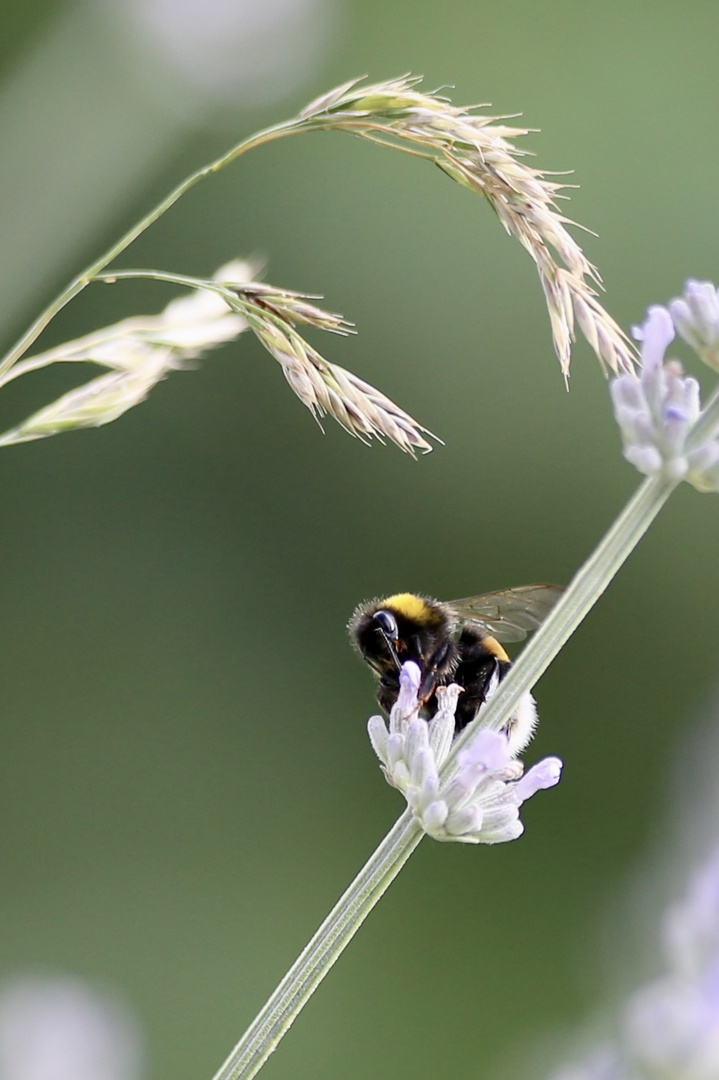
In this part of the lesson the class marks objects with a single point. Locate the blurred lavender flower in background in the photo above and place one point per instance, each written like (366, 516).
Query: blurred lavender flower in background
(669, 1028)
(58, 1027)
(671, 1025)
(696, 318)
(601, 1064)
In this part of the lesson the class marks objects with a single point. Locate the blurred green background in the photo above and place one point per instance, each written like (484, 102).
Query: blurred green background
(186, 784)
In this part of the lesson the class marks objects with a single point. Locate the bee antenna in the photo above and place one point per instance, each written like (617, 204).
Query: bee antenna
(392, 651)
(387, 627)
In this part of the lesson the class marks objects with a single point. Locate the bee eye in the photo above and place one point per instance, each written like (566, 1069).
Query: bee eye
(386, 624)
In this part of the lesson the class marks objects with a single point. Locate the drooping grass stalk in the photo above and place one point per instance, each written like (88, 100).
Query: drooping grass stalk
(95, 268)
(474, 150)
(303, 978)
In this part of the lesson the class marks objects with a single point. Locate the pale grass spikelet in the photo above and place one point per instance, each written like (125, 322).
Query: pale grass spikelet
(291, 307)
(477, 151)
(142, 350)
(139, 351)
(326, 389)
(479, 802)
(658, 409)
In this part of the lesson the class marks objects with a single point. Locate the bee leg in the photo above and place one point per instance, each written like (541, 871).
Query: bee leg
(434, 671)
(427, 687)
(494, 677)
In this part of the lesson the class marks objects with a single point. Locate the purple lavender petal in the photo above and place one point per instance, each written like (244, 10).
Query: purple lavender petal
(544, 774)
(655, 333)
(409, 679)
(488, 749)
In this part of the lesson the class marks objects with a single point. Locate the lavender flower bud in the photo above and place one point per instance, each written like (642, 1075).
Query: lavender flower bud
(696, 317)
(657, 410)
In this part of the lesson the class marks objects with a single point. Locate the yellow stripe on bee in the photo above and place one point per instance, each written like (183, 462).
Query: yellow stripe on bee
(492, 645)
(411, 607)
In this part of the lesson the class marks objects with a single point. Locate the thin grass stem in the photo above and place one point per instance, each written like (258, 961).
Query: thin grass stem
(310, 968)
(84, 278)
(587, 586)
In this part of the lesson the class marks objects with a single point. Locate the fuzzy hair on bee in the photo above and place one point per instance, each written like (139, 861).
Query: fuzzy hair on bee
(455, 642)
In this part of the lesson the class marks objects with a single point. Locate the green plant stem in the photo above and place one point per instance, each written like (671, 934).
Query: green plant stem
(265, 1032)
(580, 596)
(277, 131)
(310, 968)
(186, 280)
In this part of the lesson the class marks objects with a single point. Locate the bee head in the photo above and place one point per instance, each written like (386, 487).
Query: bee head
(385, 625)
(401, 627)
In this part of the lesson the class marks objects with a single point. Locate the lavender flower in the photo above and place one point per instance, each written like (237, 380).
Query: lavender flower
(657, 410)
(601, 1064)
(669, 1029)
(60, 1028)
(671, 1026)
(479, 803)
(696, 317)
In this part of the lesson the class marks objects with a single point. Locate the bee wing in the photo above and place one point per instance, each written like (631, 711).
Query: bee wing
(510, 614)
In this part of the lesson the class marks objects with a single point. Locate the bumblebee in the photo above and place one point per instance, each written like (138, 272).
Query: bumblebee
(455, 642)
